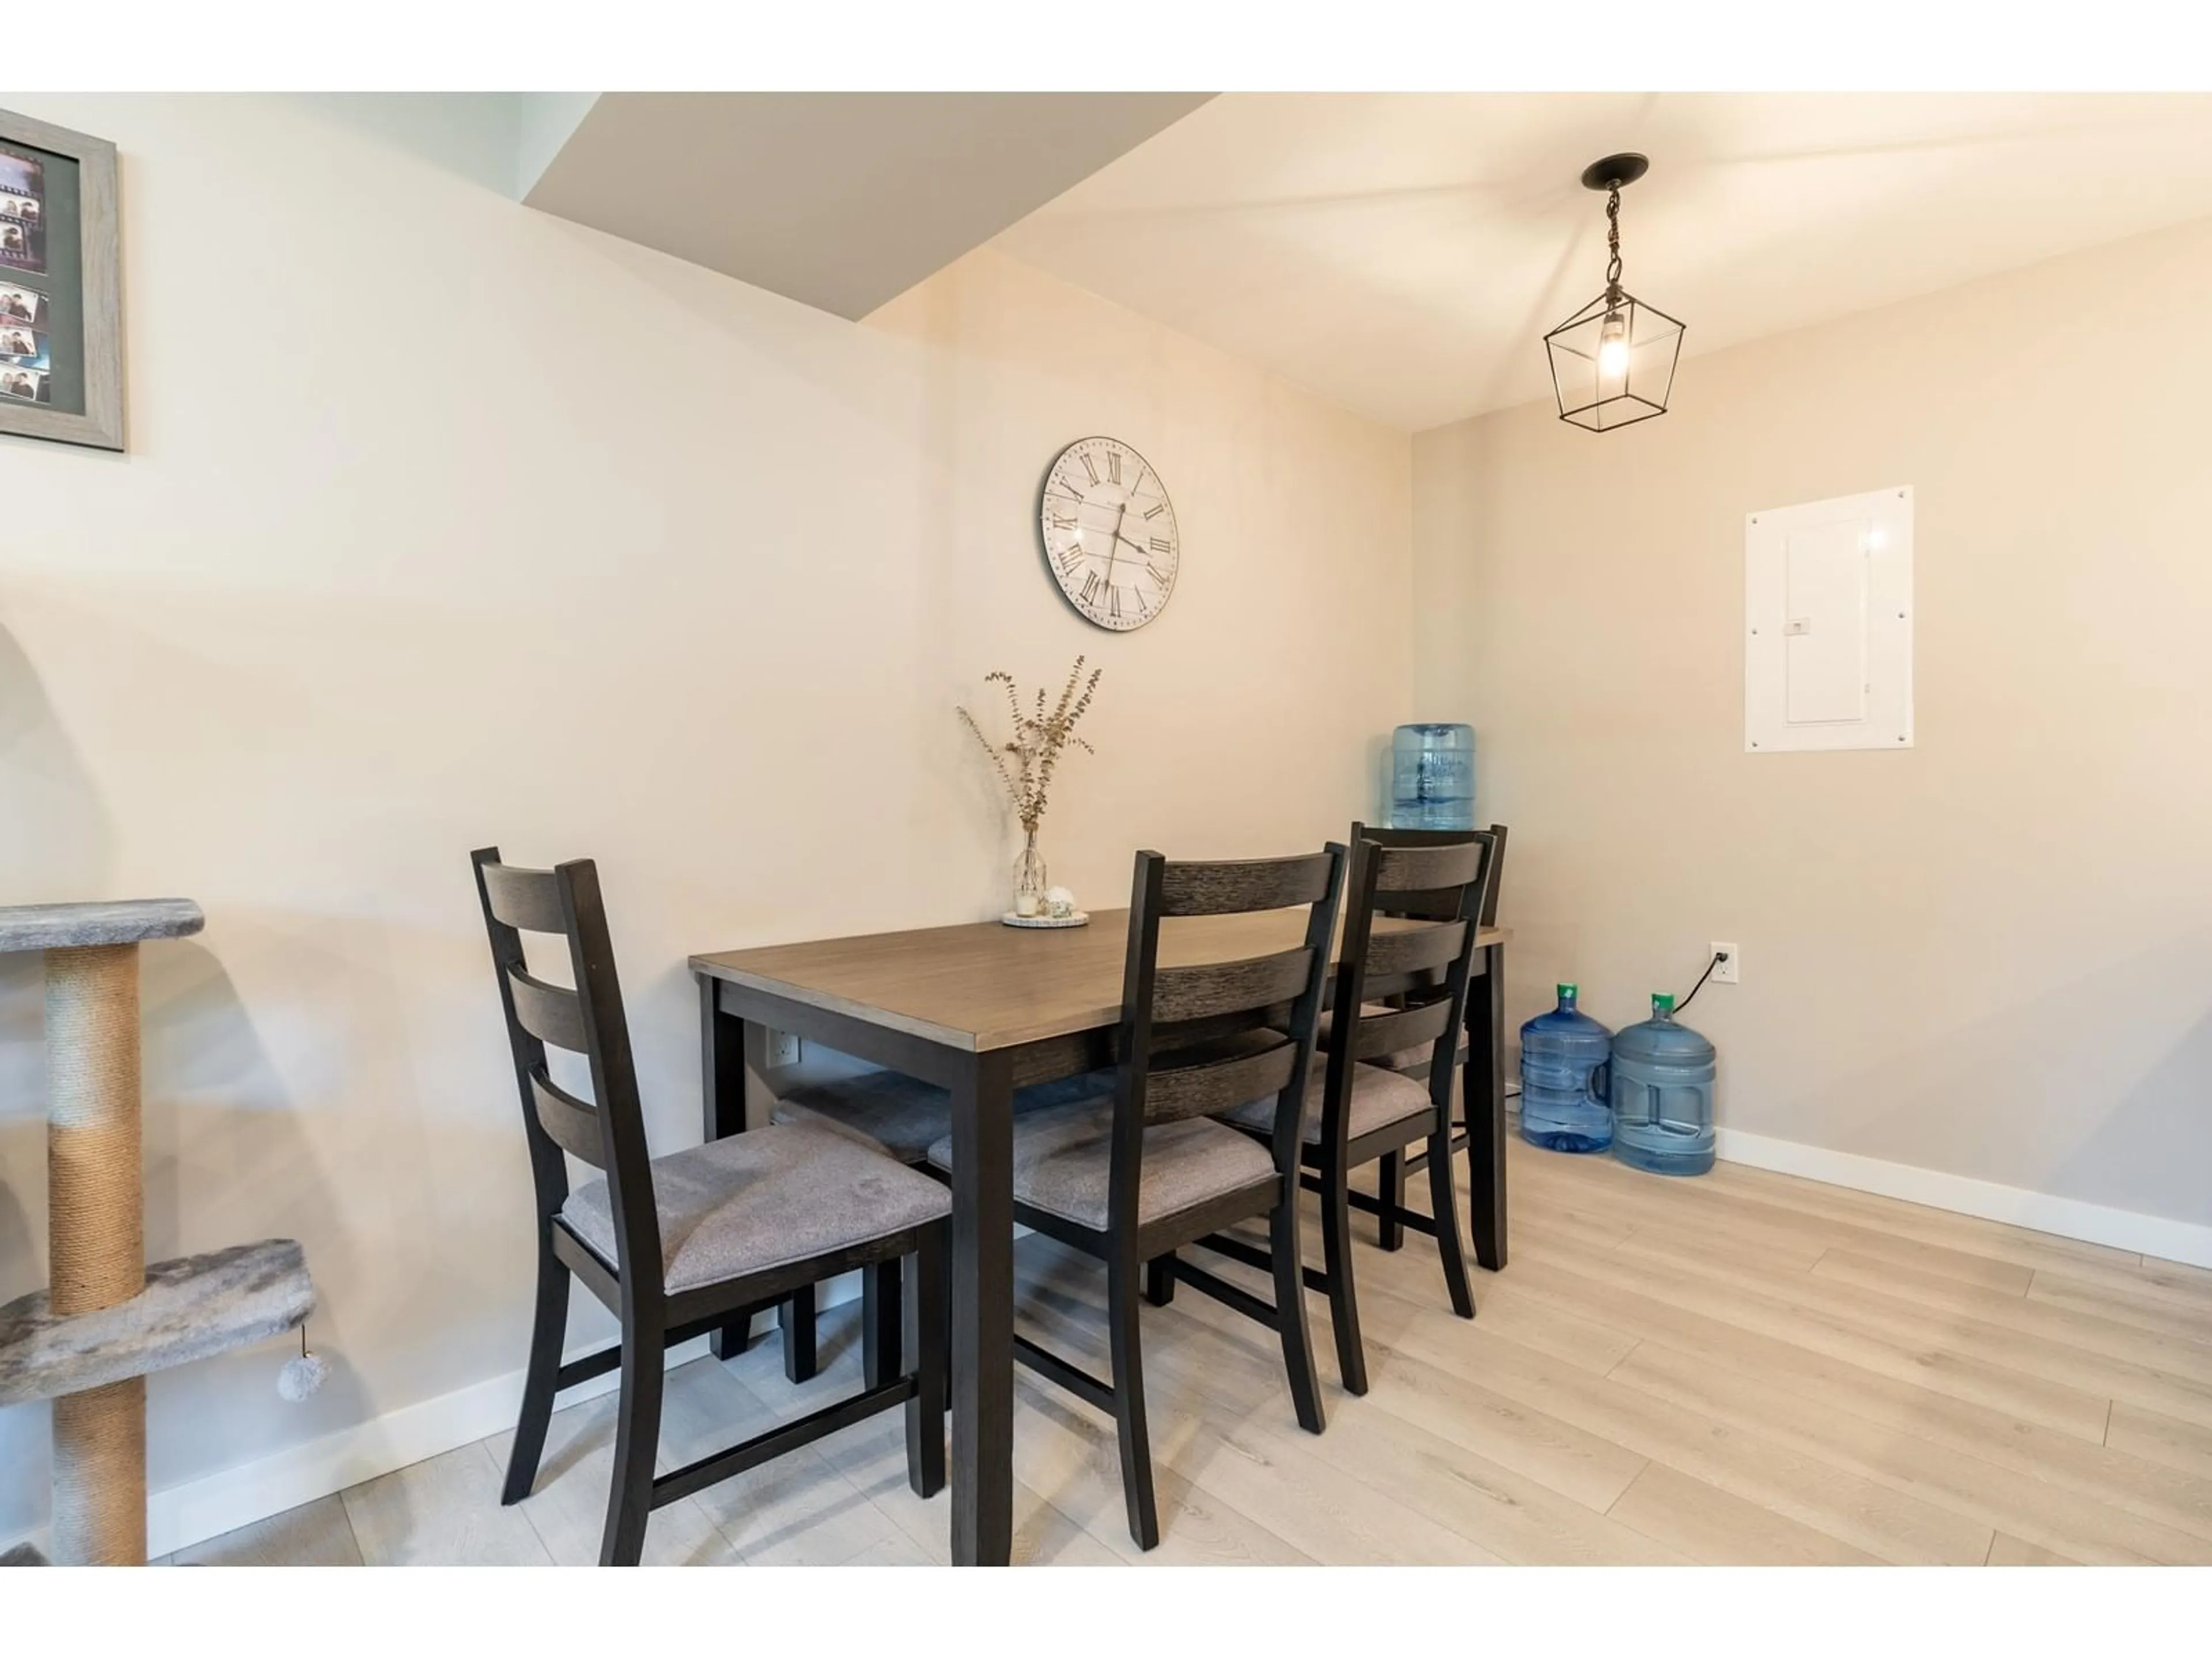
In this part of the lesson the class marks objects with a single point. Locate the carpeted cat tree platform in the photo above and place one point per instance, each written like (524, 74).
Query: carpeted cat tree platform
(107, 1319)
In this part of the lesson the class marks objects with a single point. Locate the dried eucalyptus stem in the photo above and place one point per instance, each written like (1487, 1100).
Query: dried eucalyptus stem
(1038, 741)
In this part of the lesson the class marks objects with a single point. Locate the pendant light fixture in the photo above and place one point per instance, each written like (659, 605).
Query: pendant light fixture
(1612, 361)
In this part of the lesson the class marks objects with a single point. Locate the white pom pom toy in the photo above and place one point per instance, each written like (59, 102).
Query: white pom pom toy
(302, 1376)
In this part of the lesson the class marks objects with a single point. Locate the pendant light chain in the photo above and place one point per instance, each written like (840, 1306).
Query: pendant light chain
(1612, 245)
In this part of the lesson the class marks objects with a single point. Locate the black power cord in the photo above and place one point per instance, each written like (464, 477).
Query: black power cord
(1719, 957)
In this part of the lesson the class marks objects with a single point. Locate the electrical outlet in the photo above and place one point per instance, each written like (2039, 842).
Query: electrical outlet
(1729, 970)
(782, 1049)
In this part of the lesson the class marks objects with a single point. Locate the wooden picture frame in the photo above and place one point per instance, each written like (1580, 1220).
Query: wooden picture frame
(77, 279)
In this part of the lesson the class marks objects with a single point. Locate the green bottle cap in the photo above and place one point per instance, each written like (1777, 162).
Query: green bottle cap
(1568, 991)
(1662, 1003)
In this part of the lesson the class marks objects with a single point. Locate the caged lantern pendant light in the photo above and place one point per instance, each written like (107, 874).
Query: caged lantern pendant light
(1612, 361)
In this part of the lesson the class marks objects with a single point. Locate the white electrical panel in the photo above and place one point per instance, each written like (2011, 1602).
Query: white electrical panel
(1827, 618)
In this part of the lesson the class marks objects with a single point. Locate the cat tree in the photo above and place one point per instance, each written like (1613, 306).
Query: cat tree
(107, 1319)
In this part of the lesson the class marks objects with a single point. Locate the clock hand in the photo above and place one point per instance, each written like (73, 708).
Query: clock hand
(1111, 554)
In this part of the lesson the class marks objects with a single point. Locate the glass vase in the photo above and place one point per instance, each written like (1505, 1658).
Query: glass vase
(1030, 881)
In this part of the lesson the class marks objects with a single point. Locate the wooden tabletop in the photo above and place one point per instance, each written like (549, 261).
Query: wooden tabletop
(985, 986)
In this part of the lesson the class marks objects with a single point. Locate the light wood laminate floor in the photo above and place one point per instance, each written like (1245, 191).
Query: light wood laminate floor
(1746, 1368)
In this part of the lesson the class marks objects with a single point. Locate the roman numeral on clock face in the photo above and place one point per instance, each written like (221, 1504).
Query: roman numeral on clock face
(1090, 588)
(1090, 467)
(1162, 544)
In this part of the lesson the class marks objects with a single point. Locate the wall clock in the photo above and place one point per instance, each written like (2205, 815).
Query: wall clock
(1109, 533)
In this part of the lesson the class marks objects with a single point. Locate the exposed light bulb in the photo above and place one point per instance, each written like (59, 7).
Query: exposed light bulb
(1612, 348)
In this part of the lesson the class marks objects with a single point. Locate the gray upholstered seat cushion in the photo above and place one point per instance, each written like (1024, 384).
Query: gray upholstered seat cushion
(1063, 1162)
(762, 1199)
(902, 1116)
(1379, 1096)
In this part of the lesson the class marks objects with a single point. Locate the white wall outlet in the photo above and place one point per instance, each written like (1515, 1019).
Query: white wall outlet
(782, 1049)
(1729, 970)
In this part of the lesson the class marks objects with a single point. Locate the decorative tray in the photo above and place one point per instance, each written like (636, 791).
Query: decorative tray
(1080, 919)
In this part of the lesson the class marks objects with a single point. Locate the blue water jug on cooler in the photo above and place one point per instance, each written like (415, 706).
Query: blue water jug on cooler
(1432, 776)
(1662, 1095)
(1563, 1055)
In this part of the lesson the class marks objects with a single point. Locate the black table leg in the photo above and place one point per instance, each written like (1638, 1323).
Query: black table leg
(1484, 1087)
(982, 1289)
(722, 1081)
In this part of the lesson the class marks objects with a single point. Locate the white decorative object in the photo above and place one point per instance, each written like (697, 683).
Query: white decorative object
(1109, 533)
(1060, 903)
(1075, 918)
(1827, 618)
(303, 1376)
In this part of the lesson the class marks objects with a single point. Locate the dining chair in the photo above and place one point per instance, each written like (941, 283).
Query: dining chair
(1131, 1177)
(1356, 1113)
(1394, 1170)
(682, 1244)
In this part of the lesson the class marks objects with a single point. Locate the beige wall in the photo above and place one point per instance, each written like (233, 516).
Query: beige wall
(1988, 956)
(445, 523)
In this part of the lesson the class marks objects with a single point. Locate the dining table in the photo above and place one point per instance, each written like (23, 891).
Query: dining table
(981, 1009)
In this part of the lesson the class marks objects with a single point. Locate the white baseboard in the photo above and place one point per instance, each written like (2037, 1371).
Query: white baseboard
(179, 1516)
(2069, 1217)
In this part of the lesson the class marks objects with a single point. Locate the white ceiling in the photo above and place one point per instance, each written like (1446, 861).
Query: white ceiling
(1403, 253)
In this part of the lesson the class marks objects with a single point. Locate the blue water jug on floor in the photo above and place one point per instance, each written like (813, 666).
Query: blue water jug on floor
(1563, 1089)
(1662, 1095)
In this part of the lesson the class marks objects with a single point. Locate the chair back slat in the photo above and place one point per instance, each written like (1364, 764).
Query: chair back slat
(1424, 869)
(1226, 987)
(551, 1013)
(1440, 904)
(1197, 1086)
(572, 1123)
(607, 1131)
(1232, 888)
(1411, 950)
(529, 900)
(1402, 1029)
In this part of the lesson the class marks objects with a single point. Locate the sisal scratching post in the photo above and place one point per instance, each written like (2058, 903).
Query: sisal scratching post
(100, 1476)
(90, 1340)
(96, 1228)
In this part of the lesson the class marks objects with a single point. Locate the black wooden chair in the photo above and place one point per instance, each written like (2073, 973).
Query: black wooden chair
(1394, 1171)
(1358, 1113)
(688, 1243)
(1131, 1177)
